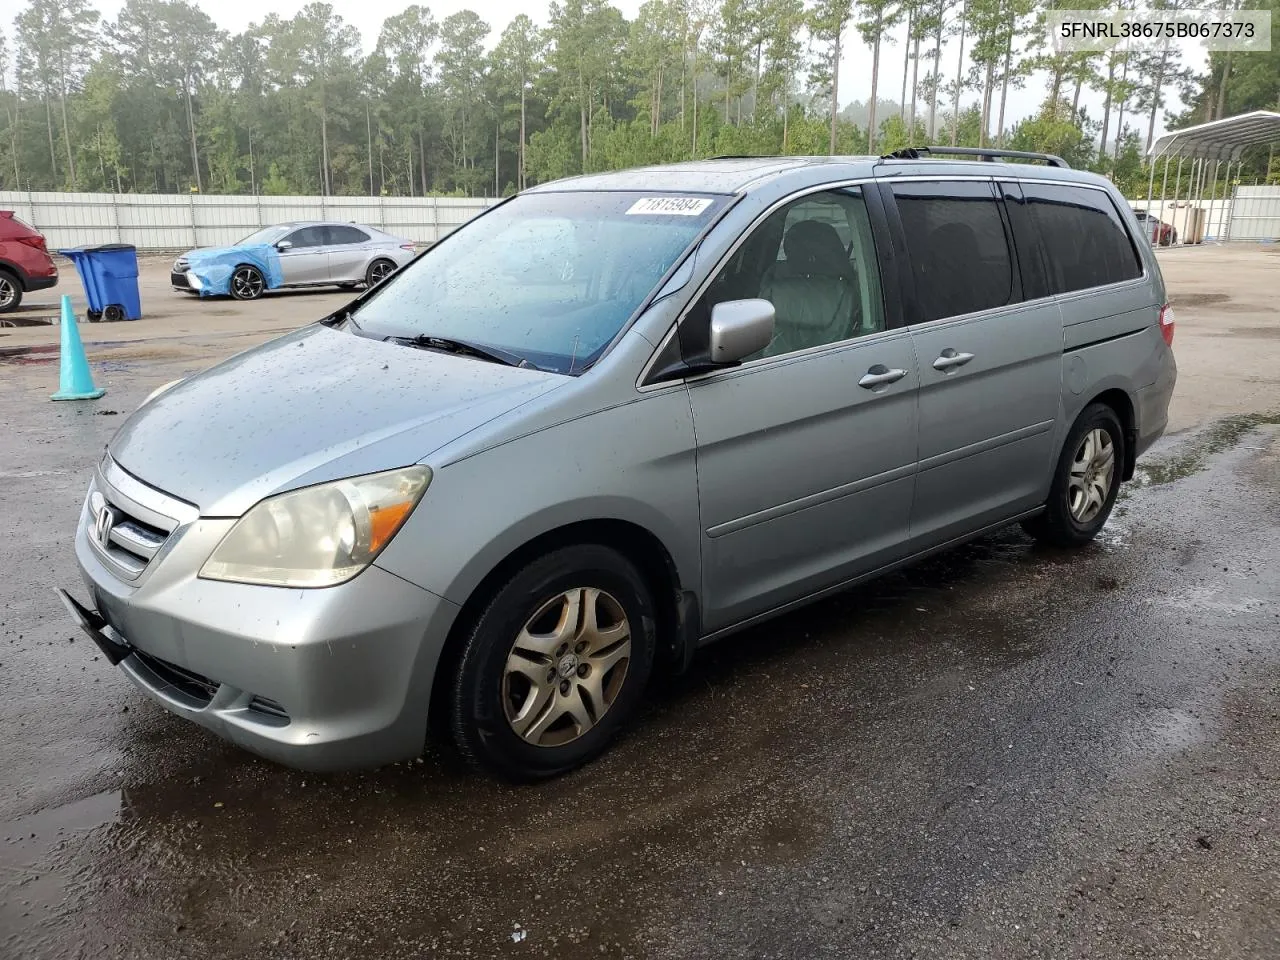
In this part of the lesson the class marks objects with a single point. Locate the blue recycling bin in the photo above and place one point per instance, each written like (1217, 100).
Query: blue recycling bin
(110, 277)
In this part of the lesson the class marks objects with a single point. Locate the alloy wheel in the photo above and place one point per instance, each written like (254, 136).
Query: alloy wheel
(246, 284)
(566, 667)
(1092, 473)
(379, 270)
(8, 292)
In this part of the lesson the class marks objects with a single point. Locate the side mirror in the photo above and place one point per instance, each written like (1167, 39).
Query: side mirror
(284, 245)
(740, 328)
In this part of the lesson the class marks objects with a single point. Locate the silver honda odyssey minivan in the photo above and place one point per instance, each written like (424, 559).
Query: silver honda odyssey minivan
(608, 421)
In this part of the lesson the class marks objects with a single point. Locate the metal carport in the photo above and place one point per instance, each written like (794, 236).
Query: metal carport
(1255, 214)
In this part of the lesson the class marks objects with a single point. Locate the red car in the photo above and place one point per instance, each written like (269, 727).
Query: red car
(25, 263)
(1158, 232)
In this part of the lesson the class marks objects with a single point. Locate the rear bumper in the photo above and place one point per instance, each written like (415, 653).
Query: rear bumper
(1153, 406)
(41, 283)
(330, 679)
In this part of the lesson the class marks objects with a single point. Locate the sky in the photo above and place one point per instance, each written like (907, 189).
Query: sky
(855, 72)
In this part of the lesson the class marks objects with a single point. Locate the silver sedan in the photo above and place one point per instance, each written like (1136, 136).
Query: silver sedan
(312, 254)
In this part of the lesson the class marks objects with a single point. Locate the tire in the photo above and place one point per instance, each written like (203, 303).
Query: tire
(1078, 507)
(490, 699)
(10, 292)
(247, 282)
(378, 271)
(113, 313)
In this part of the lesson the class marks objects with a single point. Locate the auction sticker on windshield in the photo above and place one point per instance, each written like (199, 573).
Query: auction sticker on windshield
(672, 206)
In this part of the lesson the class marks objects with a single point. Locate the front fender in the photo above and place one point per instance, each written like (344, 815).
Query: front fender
(634, 463)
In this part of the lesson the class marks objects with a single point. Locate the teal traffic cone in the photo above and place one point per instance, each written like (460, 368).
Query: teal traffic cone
(75, 379)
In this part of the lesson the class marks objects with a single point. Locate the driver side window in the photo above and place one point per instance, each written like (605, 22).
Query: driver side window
(307, 237)
(814, 260)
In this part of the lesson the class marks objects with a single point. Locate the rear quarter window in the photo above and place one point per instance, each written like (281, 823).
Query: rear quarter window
(1085, 242)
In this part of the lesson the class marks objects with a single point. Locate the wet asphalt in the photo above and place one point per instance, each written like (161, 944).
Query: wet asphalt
(1003, 752)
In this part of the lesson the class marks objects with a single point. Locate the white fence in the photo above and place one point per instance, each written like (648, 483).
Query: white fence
(167, 222)
(1255, 213)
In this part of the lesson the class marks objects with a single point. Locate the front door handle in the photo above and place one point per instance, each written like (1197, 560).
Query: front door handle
(879, 376)
(950, 359)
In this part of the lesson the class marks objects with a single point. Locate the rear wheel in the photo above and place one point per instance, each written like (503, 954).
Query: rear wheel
(1085, 483)
(555, 664)
(10, 292)
(247, 282)
(378, 271)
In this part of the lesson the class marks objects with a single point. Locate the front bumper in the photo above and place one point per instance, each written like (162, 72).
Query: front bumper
(327, 679)
(185, 280)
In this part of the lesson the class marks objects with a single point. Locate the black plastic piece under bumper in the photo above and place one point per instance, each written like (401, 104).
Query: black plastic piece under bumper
(92, 623)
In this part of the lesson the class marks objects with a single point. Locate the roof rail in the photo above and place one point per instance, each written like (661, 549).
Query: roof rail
(914, 153)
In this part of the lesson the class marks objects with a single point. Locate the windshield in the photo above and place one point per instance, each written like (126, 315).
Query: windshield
(263, 236)
(549, 277)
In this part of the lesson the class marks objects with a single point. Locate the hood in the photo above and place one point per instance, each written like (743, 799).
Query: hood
(315, 405)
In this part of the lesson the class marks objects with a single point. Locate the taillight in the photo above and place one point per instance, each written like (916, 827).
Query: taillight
(408, 246)
(36, 241)
(1166, 324)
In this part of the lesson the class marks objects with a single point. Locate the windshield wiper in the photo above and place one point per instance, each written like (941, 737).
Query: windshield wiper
(463, 348)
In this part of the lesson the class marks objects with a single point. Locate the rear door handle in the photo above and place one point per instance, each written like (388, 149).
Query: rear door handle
(950, 359)
(879, 376)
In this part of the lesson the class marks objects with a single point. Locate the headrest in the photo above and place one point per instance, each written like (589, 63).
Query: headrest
(813, 247)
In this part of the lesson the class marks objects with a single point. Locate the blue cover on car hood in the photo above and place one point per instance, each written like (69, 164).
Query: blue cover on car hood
(214, 266)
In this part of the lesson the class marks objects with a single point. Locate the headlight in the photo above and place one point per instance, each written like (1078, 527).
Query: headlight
(159, 390)
(318, 536)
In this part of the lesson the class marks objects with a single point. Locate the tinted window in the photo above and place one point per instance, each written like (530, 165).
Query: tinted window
(341, 234)
(956, 240)
(1085, 243)
(307, 237)
(815, 262)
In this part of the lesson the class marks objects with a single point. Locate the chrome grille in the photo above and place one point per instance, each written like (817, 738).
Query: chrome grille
(127, 522)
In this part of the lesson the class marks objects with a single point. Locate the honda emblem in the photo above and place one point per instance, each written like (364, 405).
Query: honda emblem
(103, 523)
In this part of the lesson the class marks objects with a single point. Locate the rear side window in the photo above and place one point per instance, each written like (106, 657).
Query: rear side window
(341, 234)
(959, 253)
(1085, 242)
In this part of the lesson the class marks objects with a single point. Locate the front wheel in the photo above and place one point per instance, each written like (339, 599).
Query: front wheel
(555, 664)
(247, 283)
(1086, 481)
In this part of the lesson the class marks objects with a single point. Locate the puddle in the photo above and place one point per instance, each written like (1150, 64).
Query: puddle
(1195, 453)
(22, 356)
(31, 893)
(1209, 599)
(1114, 535)
(1173, 730)
(28, 321)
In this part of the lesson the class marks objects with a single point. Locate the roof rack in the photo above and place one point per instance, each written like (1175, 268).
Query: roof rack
(914, 153)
